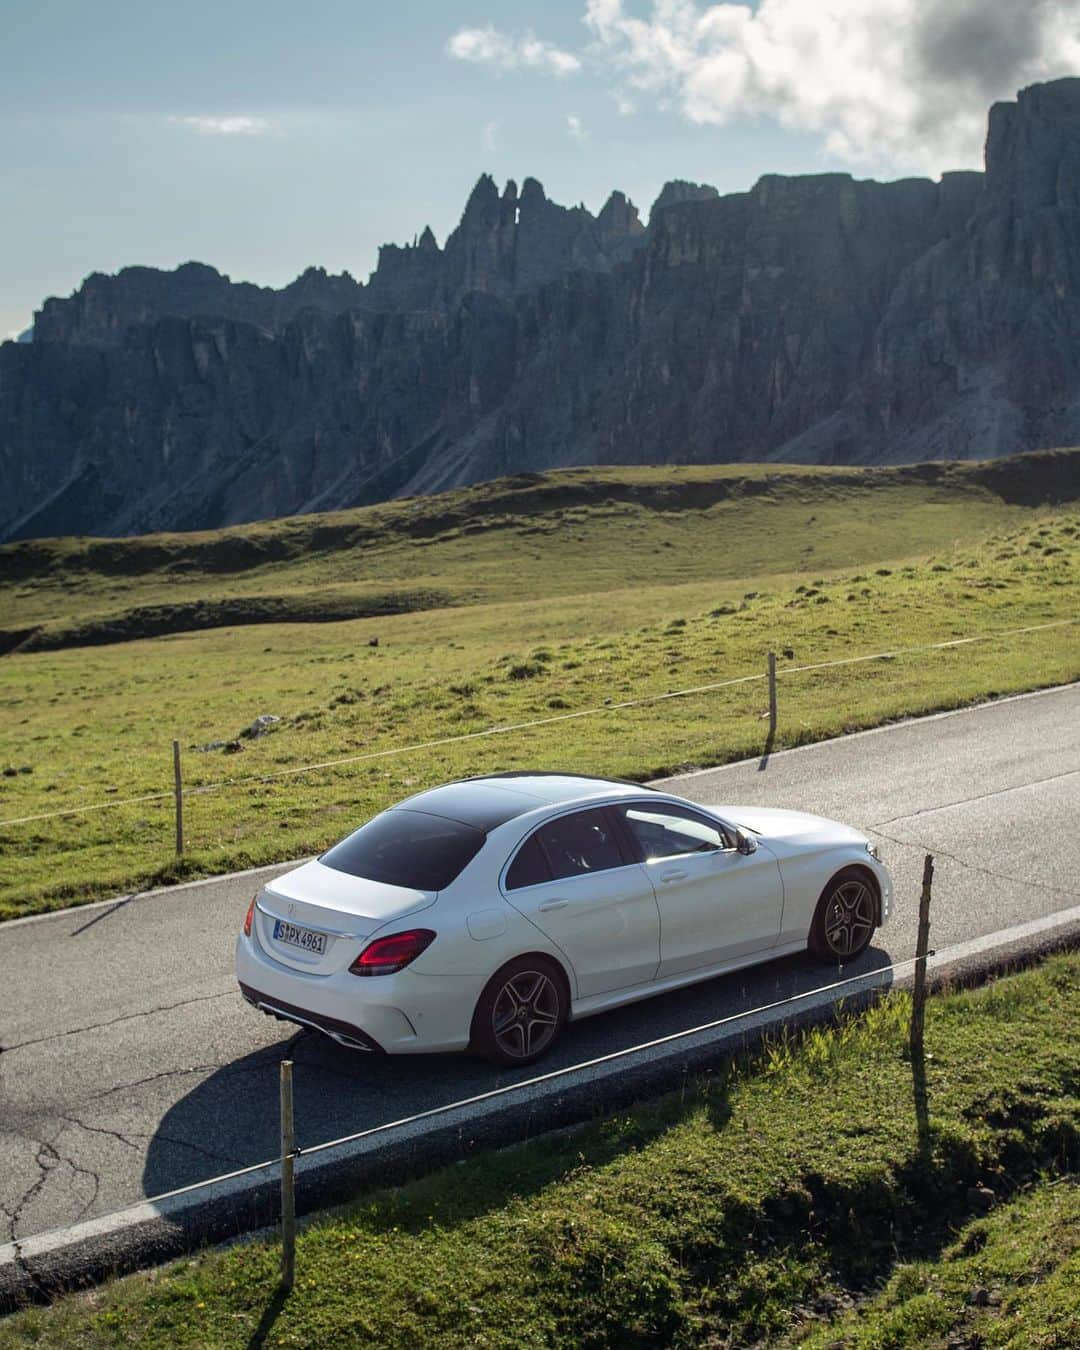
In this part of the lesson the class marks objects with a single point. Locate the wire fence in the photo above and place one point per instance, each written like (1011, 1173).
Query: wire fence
(872, 978)
(511, 728)
(873, 982)
(876, 981)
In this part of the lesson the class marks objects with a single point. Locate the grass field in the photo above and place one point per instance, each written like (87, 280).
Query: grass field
(1010, 1280)
(522, 600)
(795, 1198)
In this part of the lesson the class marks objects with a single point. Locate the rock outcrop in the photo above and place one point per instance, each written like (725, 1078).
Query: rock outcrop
(679, 190)
(504, 245)
(813, 318)
(104, 308)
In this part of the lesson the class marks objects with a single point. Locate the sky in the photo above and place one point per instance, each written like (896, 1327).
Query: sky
(264, 136)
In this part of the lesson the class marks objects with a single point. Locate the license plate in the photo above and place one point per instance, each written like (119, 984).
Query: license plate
(304, 938)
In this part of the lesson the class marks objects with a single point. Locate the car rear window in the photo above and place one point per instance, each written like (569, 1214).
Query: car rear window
(407, 848)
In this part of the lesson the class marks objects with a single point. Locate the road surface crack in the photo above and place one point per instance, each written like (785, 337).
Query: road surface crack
(45, 1160)
(101, 1129)
(94, 1177)
(978, 797)
(129, 1136)
(963, 862)
(266, 1059)
(154, 1078)
(126, 1017)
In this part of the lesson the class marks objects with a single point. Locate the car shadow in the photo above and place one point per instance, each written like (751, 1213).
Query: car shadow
(230, 1120)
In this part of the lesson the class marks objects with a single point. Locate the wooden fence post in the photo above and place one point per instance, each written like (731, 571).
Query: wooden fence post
(772, 693)
(288, 1195)
(179, 791)
(922, 946)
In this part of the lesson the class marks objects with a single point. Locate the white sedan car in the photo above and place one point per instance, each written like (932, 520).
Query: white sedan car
(489, 912)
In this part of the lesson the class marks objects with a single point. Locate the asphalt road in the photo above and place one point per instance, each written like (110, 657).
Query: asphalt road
(129, 1065)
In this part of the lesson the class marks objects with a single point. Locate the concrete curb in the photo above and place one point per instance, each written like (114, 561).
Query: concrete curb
(40, 1267)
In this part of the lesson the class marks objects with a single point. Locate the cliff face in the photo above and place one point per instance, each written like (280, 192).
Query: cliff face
(504, 245)
(742, 329)
(812, 318)
(104, 308)
(978, 349)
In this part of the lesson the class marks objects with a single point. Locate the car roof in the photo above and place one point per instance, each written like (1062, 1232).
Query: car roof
(492, 800)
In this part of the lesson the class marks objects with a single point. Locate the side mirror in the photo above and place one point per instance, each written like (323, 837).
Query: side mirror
(745, 843)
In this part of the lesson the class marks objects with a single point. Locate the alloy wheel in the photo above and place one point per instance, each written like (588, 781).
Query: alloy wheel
(525, 1016)
(849, 919)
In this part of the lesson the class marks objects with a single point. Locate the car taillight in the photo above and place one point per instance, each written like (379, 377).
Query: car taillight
(386, 955)
(249, 916)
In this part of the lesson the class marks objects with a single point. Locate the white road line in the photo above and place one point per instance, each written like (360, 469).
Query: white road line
(899, 725)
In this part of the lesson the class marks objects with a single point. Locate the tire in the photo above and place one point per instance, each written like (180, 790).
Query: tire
(845, 918)
(503, 1031)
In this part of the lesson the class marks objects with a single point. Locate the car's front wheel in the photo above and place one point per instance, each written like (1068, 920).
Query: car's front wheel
(845, 918)
(521, 1012)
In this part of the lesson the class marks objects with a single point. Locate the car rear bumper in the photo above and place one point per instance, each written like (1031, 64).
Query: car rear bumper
(401, 1014)
(342, 1032)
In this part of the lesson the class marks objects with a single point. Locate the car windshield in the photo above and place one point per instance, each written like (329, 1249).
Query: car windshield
(407, 848)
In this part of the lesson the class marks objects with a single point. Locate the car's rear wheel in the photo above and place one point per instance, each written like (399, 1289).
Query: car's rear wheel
(521, 1012)
(845, 918)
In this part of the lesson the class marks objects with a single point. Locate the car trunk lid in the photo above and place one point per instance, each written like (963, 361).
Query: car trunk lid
(317, 919)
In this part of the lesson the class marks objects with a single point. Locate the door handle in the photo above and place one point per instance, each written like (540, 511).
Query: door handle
(546, 906)
(673, 876)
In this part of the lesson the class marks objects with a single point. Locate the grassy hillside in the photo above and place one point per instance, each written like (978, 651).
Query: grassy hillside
(570, 532)
(515, 601)
(793, 1199)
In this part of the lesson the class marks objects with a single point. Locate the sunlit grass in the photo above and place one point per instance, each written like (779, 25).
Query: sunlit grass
(91, 724)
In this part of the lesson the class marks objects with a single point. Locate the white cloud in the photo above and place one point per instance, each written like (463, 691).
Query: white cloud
(491, 137)
(904, 81)
(574, 127)
(225, 126)
(489, 46)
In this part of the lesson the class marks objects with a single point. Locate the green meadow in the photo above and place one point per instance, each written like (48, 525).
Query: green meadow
(372, 631)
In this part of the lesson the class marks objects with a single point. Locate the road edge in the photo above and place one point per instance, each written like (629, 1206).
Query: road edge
(264, 868)
(41, 1267)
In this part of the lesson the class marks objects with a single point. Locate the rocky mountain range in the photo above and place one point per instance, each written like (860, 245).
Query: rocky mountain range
(814, 318)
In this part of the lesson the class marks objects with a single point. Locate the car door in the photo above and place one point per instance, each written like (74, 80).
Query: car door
(574, 879)
(715, 903)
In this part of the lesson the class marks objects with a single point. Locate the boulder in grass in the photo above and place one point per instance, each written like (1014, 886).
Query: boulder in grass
(260, 726)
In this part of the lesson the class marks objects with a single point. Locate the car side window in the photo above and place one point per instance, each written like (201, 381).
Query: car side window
(667, 832)
(583, 842)
(530, 867)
